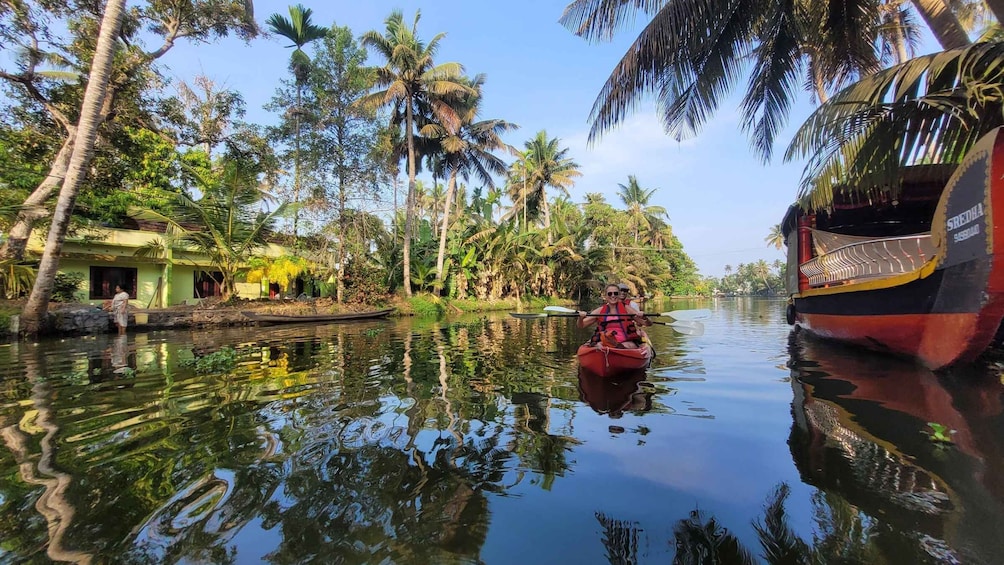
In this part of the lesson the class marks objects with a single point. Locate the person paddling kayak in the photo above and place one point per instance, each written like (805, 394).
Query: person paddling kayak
(615, 325)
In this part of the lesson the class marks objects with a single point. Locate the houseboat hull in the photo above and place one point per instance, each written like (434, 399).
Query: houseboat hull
(945, 318)
(948, 310)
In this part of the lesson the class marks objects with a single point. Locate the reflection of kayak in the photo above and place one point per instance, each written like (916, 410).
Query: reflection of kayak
(608, 361)
(615, 395)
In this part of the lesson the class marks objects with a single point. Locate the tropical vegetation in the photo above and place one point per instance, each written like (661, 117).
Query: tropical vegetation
(495, 222)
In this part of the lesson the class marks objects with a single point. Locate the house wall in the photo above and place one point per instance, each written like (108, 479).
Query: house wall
(146, 278)
(118, 248)
(183, 285)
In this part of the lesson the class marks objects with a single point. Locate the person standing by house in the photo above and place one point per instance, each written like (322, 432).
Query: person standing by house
(120, 308)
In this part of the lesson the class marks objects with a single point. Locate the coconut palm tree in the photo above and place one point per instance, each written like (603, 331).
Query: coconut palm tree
(467, 148)
(643, 217)
(775, 237)
(547, 165)
(226, 224)
(691, 72)
(411, 78)
(83, 148)
(300, 31)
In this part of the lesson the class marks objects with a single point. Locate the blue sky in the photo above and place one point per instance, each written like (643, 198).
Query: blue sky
(721, 199)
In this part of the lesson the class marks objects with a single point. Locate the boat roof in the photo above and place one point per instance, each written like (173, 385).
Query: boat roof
(917, 183)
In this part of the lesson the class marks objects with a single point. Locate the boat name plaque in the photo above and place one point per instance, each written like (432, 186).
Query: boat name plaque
(966, 215)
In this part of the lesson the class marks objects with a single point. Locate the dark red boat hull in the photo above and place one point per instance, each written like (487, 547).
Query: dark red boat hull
(607, 361)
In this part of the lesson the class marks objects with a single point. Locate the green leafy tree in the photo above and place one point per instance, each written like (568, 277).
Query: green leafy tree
(35, 309)
(546, 165)
(775, 237)
(52, 42)
(931, 109)
(343, 149)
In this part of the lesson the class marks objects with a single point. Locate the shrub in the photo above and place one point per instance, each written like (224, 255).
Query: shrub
(364, 282)
(66, 286)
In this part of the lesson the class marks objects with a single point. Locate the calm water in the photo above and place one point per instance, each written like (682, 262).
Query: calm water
(475, 440)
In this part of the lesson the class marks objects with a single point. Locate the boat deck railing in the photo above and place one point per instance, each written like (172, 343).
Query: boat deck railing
(869, 259)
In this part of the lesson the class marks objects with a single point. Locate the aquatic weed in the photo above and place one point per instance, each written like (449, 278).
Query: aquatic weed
(220, 361)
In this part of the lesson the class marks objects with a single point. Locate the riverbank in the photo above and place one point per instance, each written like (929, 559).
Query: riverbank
(84, 319)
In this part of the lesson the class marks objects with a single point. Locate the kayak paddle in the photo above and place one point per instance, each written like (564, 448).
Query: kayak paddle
(681, 315)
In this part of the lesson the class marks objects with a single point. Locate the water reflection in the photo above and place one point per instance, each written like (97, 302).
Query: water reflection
(861, 434)
(332, 443)
(614, 396)
(417, 441)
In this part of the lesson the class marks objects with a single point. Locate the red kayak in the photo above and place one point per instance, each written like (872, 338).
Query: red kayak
(609, 361)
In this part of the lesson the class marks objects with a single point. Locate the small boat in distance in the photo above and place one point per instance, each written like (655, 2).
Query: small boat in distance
(916, 270)
(315, 318)
(606, 361)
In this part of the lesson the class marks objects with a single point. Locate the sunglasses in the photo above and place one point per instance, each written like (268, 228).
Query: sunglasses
(613, 293)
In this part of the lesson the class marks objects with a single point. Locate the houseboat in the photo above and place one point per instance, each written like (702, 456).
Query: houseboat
(915, 270)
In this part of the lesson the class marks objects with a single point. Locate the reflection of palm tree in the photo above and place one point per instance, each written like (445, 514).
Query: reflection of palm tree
(699, 541)
(620, 538)
(53, 504)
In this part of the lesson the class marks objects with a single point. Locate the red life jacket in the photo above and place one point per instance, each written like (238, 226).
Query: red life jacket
(622, 327)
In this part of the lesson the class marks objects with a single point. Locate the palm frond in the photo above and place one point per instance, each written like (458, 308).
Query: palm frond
(931, 109)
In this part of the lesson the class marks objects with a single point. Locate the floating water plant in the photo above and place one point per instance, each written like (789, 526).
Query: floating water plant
(940, 433)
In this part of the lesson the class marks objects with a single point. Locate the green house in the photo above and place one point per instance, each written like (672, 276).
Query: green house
(166, 277)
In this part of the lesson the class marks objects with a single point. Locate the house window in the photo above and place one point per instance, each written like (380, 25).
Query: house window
(207, 283)
(104, 279)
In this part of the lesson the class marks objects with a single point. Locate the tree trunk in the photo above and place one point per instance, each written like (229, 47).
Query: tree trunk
(943, 23)
(33, 208)
(408, 201)
(87, 131)
(340, 283)
(296, 167)
(899, 39)
(547, 215)
(440, 276)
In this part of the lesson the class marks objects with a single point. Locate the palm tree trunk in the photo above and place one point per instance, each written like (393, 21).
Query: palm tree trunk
(32, 209)
(943, 23)
(408, 201)
(440, 259)
(547, 215)
(898, 39)
(87, 131)
(296, 167)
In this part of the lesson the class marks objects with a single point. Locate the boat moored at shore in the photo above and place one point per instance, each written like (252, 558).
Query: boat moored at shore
(916, 270)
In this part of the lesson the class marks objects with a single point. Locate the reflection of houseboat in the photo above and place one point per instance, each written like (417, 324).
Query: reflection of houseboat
(859, 436)
(916, 269)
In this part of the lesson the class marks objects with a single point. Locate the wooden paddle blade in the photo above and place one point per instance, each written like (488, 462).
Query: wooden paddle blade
(527, 316)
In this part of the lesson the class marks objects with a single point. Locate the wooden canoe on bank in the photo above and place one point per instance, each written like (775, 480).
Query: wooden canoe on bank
(316, 318)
